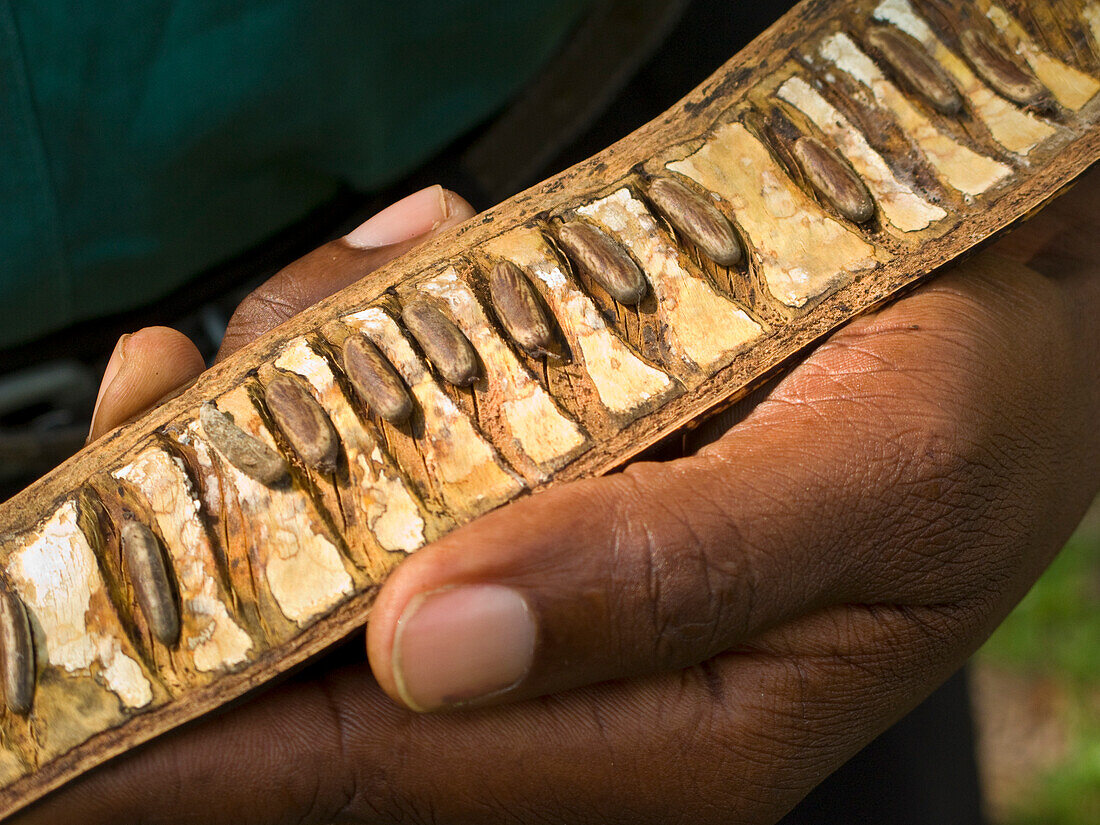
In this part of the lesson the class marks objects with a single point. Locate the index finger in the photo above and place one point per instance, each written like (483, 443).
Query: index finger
(329, 268)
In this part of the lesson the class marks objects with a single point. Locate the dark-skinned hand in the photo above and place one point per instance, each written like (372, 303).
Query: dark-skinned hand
(697, 640)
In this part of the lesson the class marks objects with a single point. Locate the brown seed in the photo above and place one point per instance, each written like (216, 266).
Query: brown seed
(912, 63)
(697, 219)
(376, 382)
(833, 178)
(144, 562)
(604, 261)
(442, 342)
(992, 62)
(303, 421)
(245, 452)
(16, 652)
(519, 309)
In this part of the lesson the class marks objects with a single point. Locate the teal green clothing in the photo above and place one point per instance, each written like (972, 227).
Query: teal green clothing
(143, 141)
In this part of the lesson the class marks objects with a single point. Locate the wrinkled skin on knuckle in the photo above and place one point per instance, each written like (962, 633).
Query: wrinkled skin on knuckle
(265, 308)
(952, 407)
(810, 693)
(681, 561)
(299, 285)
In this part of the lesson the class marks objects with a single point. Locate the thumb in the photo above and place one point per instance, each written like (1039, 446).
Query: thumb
(144, 367)
(867, 477)
(331, 267)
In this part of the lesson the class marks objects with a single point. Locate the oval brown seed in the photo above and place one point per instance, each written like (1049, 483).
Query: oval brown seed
(696, 219)
(17, 652)
(833, 178)
(245, 452)
(144, 563)
(376, 382)
(303, 421)
(604, 261)
(519, 309)
(996, 67)
(912, 63)
(442, 342)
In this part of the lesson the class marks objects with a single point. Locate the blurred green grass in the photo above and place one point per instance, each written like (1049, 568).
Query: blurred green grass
(1053, 636)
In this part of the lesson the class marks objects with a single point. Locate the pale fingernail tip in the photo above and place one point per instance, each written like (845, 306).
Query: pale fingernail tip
(446, 206)
(114, 363)
(407, 219)
(459, 645)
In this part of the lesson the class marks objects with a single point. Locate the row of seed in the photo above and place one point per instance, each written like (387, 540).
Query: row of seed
(989, 57)
(145, 565)
(518, 308)
(307, 427)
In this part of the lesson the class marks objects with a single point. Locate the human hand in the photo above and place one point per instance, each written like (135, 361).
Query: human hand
(155, 362)
(733, 624)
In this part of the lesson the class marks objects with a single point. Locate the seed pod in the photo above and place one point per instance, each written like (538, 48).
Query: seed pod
(303, 421)
(993, 64)
(442, 342)
(144, 563)
(376, 382)
(519, 309)
(604, 261)
(17, 652)
(697, 219)
(834, 179)
(912, 63)
(245, 452)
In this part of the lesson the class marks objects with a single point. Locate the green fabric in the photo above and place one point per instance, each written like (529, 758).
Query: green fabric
(141, 142)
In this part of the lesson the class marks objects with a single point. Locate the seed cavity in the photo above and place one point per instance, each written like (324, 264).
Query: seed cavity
(144, 562)
(16, 652)
(303, 421)
(375, 380)
(519, 309)
(696, 219)
(604, 261)
(442, 342)
(244, 451)
(912, 64)
(992, 62)
(834, 179)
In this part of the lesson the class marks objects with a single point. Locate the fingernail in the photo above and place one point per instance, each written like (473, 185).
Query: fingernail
(409, 218)
(454, 646)
(114, 363)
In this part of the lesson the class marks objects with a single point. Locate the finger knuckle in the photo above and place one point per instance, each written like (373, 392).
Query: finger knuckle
(698, 594)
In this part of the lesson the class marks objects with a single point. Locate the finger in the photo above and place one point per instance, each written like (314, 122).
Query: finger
(329, 268)
(886, 468)
(144, 367)
(737, 740)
